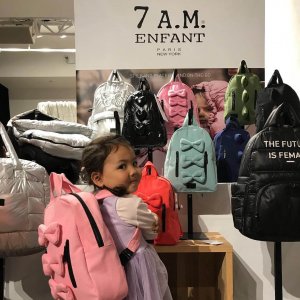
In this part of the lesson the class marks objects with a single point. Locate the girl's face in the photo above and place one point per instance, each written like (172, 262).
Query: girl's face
(203, 107)
(120, 169)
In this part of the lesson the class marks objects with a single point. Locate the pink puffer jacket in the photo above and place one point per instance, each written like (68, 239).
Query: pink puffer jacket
(212, 113)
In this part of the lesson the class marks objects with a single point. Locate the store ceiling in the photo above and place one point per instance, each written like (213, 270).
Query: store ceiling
(31, 24)
(35, 33)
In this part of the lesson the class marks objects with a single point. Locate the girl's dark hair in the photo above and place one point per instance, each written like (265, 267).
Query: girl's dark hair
(95, 153)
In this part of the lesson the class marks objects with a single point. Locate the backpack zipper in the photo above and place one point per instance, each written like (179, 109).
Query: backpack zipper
(263, 115)
(163, 217)
(233, 101)
(255, 98)
(92, 221)
(205, 163)
(177, 164)
(67, 259)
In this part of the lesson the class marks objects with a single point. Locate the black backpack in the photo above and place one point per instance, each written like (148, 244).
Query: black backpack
(143, 124)
(266, 198)
(275, 93)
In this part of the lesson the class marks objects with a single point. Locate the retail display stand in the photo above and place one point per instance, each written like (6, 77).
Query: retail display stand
(190, 234)
(278, 270)
(199, 270)
(150, 154)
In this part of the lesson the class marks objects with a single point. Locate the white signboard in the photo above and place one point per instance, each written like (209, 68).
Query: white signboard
(156, 34)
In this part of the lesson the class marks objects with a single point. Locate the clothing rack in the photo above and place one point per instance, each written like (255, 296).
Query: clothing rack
(278, 270)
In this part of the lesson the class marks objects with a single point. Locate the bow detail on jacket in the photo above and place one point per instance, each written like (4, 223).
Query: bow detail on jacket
(178, 93)
(49, 234)
(198, 145)
(153, 202)
(52, 265)
(197, 160)
(60, 291)
(198, 176)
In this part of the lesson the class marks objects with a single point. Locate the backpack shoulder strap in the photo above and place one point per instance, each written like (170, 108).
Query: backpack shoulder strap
(131, 248)
(133, 244)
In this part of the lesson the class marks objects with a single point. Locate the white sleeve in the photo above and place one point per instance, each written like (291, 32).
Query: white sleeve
(134, 211)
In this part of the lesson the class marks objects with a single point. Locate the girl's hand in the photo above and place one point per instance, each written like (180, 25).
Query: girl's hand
(155, 225)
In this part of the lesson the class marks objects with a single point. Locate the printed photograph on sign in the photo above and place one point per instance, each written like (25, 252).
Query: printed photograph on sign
(208, 102)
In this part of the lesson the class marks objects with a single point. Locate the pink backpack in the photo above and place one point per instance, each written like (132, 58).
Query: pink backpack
(81, 256)
(176, 98)
(159, 195)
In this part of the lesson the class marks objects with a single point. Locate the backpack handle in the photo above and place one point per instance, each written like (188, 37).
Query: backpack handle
(275, 79)
(243, 69)
(189, 119)
(143, 84)
(232, 121)
(60, 184)
(149, 170)
(175, 76)
(10, 148)
(284, 114)
(114, 76)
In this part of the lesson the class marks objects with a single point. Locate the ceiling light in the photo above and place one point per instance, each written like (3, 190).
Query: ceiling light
(37, 50)
(39, 36)
(63, 36)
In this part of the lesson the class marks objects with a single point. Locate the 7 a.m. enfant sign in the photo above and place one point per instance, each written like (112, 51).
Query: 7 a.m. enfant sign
(167, 32)
(152, 34)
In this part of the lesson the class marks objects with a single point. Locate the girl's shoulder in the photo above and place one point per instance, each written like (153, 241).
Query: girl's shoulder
(130, 198)
(130, 203)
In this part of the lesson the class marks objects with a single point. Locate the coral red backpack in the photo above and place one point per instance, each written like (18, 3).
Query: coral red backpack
(158, 193)
(176, 98)
(81, 259)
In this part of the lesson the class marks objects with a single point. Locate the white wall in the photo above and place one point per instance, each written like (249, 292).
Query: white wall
(34, 77)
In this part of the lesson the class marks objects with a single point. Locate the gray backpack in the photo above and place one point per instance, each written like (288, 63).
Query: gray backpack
(109, 102)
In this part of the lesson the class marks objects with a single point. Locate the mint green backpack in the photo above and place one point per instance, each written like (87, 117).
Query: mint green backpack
(241, 95)
(190, 162)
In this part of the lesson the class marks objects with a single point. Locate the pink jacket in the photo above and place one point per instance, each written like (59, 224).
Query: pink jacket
(213, 92)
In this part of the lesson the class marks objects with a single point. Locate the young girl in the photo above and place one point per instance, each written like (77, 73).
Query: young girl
(109, 163)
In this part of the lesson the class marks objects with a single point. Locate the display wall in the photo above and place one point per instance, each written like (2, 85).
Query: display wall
(234, 30)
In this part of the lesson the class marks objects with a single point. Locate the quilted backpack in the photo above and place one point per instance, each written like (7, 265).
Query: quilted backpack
(229, 147)
(241, 95)
(159, 195)
(265, 200)
(81, 258)
(275, 93)
(109, 97)
(143, 123)
(190, 162)
(176, 98)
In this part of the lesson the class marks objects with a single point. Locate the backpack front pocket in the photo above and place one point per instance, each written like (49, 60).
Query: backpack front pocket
(278, 210)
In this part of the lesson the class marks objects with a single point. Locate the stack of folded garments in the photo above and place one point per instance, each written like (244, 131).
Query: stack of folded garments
(55, 144)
